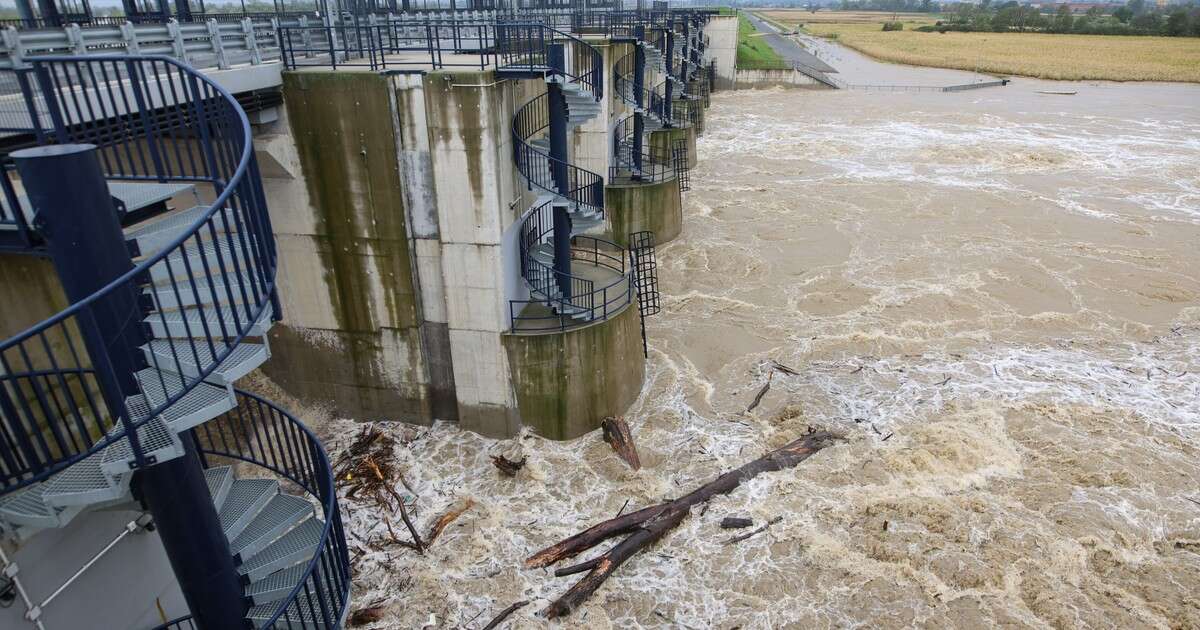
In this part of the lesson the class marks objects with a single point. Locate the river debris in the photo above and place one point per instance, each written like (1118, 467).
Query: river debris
(644, 527)
(499, 619)
(774, 366)
(762, 392)
(364, 616)
(736, 522)
(620, 438)
(445, 520)
(508, 467)
(738, 539)
(368, 468)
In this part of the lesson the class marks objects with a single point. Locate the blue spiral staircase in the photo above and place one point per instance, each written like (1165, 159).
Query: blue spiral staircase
(573, 278)
(130, 390)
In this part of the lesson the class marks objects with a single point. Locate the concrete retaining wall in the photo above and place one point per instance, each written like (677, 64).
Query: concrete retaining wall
(750, 79)
(636, 207)
(722, 31)
(662, 140)
(567, 383)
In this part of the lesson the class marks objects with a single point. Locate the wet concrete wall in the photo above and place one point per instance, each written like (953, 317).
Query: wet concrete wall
(354, 333)
(568, 383)
(750, 79)
(722, 32)
(633, 207)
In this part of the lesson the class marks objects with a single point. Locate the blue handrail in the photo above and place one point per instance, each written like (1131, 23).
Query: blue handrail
(132, 107)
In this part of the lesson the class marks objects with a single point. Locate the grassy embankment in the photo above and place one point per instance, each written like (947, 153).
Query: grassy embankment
(752, 51)
(1041, 55)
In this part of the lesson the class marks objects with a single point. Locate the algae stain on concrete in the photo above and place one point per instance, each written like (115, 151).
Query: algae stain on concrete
(343, 124)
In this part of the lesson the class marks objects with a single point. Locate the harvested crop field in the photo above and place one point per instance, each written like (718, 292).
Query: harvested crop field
(1041, 55)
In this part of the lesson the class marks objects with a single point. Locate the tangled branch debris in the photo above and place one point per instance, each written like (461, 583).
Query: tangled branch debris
(367, 468)
(508, 467)
(644, 527)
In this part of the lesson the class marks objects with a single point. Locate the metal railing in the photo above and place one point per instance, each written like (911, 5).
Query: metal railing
(583, 188)
(259, 433)
(152, 119)
(574, 300)
(655, 165)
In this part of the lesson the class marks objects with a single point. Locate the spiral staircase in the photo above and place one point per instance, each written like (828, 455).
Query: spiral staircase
(573, 278)
(137, 376)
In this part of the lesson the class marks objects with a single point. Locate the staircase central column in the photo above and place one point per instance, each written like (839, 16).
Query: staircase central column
(639, 83)
(557, 110)
(86, 244)
(669, 91)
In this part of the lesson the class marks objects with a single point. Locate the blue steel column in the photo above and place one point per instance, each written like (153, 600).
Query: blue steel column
(557, 109)
(50, 12)
(85, 242)
(639, 122)
(25, 10)
(669, 95)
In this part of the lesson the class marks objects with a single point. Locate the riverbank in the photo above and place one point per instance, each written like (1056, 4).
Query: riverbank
(1038, 55)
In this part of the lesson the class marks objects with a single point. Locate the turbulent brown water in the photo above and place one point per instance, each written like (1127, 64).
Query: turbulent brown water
(992, 294)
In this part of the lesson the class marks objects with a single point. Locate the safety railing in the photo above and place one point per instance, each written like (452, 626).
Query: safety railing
(574, 299)
(259, 433)
(582, 187)
(653, 166)
(390, 44)
(152, 119)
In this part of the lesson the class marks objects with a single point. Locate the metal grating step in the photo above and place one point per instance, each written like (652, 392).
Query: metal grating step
(154, 236)
(210, 255)
(282, 513)
(156, 440)
(193, 357)
(277, 585)
(202, 291)
(191, 322)
(138, 195)
(203, 403)
(85, 483)
(245, 499)
(28, 507)
(305, 612)
(220, 481)
(298, 545)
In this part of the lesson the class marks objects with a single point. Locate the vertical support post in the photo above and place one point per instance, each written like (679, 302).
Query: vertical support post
(562, 249)
(183, 10)
(669, 88)
(556, 104)
(25, 11)
(50, 12)
(87, 247)
(192, 536)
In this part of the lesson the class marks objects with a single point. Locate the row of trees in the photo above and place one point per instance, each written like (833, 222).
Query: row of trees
(1135, 18)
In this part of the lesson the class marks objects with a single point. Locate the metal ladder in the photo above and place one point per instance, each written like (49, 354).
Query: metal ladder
(644, 265)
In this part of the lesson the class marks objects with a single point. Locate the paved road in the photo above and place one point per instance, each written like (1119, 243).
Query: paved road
(786, 47)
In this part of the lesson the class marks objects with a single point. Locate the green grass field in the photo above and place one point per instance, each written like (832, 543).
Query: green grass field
(752, 51)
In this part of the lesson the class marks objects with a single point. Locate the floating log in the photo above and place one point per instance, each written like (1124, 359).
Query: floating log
(620, 438)
(736, 522)
(645, 526)
(738, 539)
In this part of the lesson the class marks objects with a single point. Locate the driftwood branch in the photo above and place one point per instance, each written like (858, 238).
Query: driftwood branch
(620, 438)
(738, 539)
(643, 527)
(445, 520)
(499, 619)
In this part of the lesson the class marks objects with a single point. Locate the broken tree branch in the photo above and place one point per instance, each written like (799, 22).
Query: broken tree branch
(620, 438)
(762, 392)
(499, 619)
(645, 526)
(445, 520)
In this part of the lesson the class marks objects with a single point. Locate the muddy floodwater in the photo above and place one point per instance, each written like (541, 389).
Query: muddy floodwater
(993, 295)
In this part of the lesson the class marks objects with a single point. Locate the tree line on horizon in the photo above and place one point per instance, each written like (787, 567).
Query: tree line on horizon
(1135, 17)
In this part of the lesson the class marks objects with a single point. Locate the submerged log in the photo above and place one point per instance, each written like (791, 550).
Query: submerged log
(508, 467)
(735, 522)
(620, 438)
(645, 526)
(445, 520)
